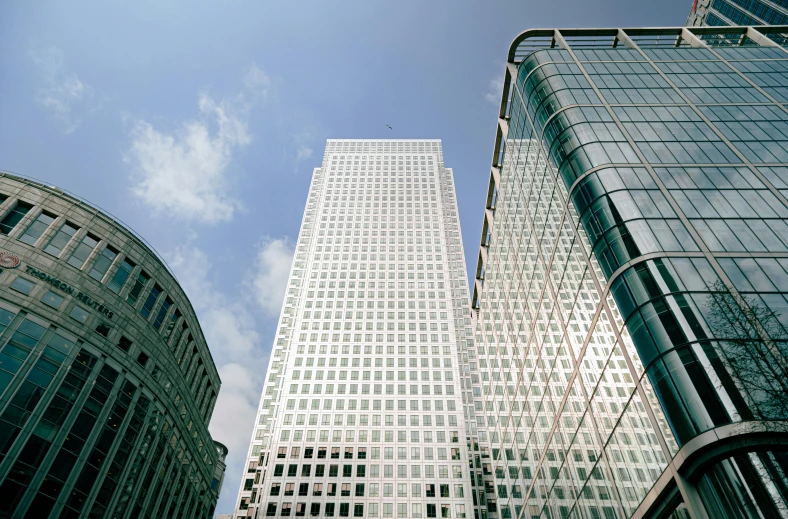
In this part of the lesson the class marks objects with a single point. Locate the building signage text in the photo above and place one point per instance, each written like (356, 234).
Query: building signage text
(65, 287)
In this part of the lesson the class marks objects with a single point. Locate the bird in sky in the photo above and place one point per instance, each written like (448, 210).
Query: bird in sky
(389, 127)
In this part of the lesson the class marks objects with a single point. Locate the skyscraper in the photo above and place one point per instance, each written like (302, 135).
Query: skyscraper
(363, 409)
(738, 12)
(629, 306)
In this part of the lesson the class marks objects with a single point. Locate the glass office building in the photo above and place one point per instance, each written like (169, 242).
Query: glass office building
(629, 302)
(106, 383)
(738, 12)
(363, 408)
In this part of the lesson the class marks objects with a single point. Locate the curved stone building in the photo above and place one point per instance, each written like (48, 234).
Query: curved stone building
(106, 382)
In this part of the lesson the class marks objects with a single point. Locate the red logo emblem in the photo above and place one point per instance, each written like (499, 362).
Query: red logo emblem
(8, 260)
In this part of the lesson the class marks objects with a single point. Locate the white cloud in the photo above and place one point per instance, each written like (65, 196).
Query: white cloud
(184, 174)
(66, 96)
(304, 152)
(494, 89)
(272, 268)
(235, 413)
(235, 345)
(228, 322)
(256, 81)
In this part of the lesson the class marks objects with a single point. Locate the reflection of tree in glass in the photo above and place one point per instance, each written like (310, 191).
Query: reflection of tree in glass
(752, 350)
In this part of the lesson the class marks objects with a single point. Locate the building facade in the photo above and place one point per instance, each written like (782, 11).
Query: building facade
(363, 408)
(106, 382)
(738, 12)
(629, 302)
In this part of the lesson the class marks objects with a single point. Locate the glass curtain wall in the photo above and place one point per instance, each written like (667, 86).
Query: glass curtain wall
(634, 284)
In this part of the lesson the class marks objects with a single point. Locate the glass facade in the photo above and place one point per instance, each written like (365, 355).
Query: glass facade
(630, 303)
(738, 12)
(363, 411)
(102, 414)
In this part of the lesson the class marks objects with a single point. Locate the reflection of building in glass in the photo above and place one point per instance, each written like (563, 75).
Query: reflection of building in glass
(362, 410)
(738, 12)
(106, 382)
(629, 306)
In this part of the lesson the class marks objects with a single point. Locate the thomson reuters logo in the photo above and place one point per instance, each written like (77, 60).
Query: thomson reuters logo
(8, 260)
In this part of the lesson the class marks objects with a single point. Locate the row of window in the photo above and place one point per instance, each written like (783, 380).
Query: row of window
(373, 389)
(374, 490)
(377, 405)
(363, 436)
(350, 420)
(361, 452)
(358, 510)
(374, 471)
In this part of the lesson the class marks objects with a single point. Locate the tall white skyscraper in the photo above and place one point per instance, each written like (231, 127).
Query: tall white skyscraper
(363, 413)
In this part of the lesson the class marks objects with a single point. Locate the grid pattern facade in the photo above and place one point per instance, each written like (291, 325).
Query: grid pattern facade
(363, 408)
(738, 12)
(106, 383)
(630, 302)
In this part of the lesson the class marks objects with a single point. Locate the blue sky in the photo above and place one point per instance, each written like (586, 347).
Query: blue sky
(198, 124)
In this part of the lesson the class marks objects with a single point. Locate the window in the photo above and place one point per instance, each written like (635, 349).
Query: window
(102, 329)
(174, 318)
(79, 314)
(14, 216)
(154, 294)
(124, 343)
(102, 263)
(22, 285)
(271, 510)
(121, 275)
(275, 488)
(314, 510)
(60, 239)
(83, 250)
(279, 470)
(289, 489)
(139, 283)
(142, 359)
(37, 228)
(52, 299)
(162, 312)
(345, 489)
